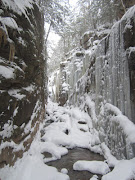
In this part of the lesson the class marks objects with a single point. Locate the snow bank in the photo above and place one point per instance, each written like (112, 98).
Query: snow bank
(110, 159)
(124, 170)
(64, 171)
(129, 14)
(56, 151)
(10, 22)
(66, 119)
(20, 6)
(96, 167)
(31, 168)
(7, 72)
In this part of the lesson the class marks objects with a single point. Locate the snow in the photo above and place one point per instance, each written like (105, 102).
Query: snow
(10, 22)
(112, 108)
(21, 41)
(13, 145)
(7, 72)
(7, 130)
(55, 150)
(32, 166)
(30, 88)
(64, 171)
(67, 119)
(28, 128)
(15, 112)
(127, 126)
(65, 87)
(16, 93)
(110, 159)
(131, 49)
(19, 6)
(129, 14)
(96, 167)
(124, 170)
(91, 105)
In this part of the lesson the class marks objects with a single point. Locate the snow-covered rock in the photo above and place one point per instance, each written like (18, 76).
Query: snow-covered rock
(22, 88)
(95, 167)
(124, 170)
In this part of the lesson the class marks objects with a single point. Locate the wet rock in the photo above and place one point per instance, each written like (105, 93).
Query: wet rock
(66, 131)
(81, 129)
(42, 133)
(82, 122)
(79, 54)
(47, 154)
(49, 121)
(21, 56)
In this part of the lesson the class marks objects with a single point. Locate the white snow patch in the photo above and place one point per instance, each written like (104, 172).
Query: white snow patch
(64, 171)
(7, 72)
(124, 170)
(7, 130)
(30, 88)
(129, 14)
(15, 112)
(31, 168)
(10, 22)
(21, 41)
(15, 93)
(55, 150)
(20, 6)
(127, 126)
(96, 167)
(110, 159)
(131, 49)
(28, 128)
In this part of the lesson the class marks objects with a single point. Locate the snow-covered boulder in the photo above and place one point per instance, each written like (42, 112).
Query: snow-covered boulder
(95, 167)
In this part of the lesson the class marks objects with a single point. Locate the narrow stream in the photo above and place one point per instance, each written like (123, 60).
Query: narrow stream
(74, 155)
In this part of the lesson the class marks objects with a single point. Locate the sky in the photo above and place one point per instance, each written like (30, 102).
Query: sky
(53, 37)
(73, 2)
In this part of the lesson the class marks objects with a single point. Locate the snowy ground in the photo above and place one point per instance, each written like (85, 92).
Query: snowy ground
(67, 128)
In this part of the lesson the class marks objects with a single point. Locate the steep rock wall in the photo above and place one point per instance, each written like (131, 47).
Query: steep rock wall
(22, 76)
(105, 73)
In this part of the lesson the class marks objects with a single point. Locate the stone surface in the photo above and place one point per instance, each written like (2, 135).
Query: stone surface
(22, 95)
(106, 74)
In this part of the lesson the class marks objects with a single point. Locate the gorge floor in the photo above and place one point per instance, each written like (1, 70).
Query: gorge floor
(74, 155)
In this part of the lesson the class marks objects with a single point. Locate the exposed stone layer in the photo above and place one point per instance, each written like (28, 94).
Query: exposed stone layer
(22, 77)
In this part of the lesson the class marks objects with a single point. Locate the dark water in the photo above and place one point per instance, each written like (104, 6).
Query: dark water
(74, 155)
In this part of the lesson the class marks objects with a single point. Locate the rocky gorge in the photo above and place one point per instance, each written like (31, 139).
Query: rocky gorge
(92, 96)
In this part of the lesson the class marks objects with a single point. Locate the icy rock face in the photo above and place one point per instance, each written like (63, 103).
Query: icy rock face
(70, 72)
(22, 81)
(106, 74)
(115, 83)
(115, 68)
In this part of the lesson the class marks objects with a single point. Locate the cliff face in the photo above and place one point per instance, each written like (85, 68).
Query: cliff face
(103, 71)
(22, 76)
